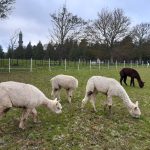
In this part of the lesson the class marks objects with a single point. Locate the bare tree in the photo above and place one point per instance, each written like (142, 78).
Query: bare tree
(140, 34)
(13, 41)
(109, 28)
(5, 7)
(65, 25)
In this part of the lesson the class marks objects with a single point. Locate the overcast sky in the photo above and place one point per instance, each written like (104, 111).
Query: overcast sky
(32, 16)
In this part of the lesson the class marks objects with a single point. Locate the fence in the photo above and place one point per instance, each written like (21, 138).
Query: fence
(9, 65)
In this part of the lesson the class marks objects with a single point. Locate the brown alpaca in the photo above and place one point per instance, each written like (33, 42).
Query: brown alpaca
(131, 73)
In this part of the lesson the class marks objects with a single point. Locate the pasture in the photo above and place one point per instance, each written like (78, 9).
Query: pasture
(75, 129)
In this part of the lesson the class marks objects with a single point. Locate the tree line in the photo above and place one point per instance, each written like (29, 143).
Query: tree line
(110, 36)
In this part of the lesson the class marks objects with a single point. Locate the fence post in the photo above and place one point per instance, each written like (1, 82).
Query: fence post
(142, 63)
(79, 65)
(137, 64)
(116, 65)
(49, 64)
(9, 65)
(124, 63)
(108, 64)
(65, 65)
(131, 63)
(90, 65)
(31, 66)
(147, 64)
(99, 64)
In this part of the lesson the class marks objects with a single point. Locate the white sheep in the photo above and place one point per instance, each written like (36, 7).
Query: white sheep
(67, 82)
(110, 87)
(16, 94)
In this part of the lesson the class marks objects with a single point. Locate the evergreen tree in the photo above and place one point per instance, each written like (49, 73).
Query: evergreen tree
(50, 52)
(34, 52)
(74, 51)
(83, 48)
(68, 45)
(1, 52)
(28, 51)
(39, 52)
(125, 50)
(9, 53)
(19, 53)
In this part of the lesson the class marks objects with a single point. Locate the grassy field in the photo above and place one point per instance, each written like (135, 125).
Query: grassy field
(75, 129)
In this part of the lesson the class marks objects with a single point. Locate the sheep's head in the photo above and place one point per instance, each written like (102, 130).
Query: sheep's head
(141, 84)
(55, 106)
(135, 111)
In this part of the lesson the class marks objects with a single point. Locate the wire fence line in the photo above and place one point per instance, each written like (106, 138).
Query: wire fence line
(9, 65)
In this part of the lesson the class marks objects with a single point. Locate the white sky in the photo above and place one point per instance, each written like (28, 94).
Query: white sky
(32, 16)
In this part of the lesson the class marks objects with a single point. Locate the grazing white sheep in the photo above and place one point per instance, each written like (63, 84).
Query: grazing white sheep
(16, 94)
(110, 87)
(67, 82)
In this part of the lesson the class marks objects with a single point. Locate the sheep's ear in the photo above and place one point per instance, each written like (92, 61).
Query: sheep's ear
(55, 99)
(137, 103)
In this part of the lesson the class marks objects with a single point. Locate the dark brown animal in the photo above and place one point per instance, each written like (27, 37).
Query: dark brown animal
(130, 73)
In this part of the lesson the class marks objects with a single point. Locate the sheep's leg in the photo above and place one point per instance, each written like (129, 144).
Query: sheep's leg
(87, 97)
(105, 105)
(6, 102)
(56, 93)
(34, 114)
(93, 100)
(132, 80)
(3, 110)
(69, 94)
(109, 99)
(108, 103)
(84, 101)
(24, 117)
(52, 93)
(125, 79)
(121, 78)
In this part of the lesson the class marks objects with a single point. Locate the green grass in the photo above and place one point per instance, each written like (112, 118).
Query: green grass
(75, 129)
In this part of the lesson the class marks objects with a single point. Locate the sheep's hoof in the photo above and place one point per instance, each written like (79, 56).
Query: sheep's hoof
(82, 108)
(37, 122)
(95, 111)
(21, 126)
